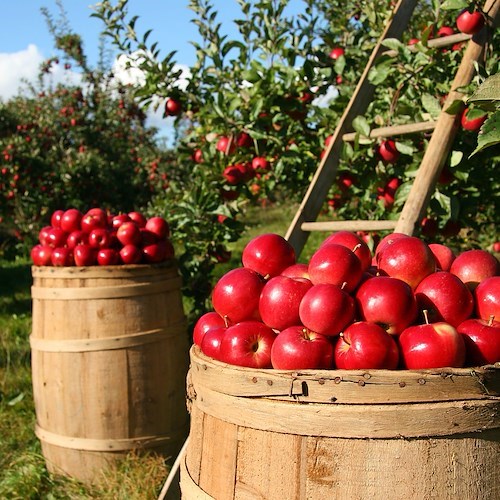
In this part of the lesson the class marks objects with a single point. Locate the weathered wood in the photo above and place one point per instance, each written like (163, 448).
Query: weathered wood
(325, 174)
(394, 130)
(350, 225)
(273, 446)
(109, 360)
(444, 134)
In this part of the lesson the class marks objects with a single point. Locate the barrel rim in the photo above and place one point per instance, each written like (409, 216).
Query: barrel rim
(199, 357)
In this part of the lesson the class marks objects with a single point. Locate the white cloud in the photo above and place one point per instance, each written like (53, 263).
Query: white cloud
(16, 66)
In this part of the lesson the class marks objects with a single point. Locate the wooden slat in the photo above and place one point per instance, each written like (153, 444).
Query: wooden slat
(444, 134)
(436, 43)
(325, 174)
(350, 225)
(395, 130)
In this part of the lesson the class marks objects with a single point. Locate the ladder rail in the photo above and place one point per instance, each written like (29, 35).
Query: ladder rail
(325, 174)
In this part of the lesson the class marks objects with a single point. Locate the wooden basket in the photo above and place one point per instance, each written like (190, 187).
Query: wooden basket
(338, 434)
(109, 360)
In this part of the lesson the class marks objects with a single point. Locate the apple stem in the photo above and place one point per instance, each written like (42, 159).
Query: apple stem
(426, 316)
(490, 321)
(356, 247)
(343, 285)
(226, 320)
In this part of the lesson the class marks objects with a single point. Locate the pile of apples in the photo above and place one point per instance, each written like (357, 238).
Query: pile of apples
(99, 238)
(407, 305)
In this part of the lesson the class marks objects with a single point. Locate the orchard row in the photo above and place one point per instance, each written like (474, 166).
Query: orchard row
(409, 305)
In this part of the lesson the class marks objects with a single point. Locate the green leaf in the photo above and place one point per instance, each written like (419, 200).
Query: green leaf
(405, 148)
(489, 90)
(379, 73)
(361, 125)
(456, 158)
(455, 107)
(489, 135)
(431, 105)
(393, 43)
(455, 4)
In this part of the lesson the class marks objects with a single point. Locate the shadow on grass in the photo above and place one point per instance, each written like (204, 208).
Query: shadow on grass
(15, 283)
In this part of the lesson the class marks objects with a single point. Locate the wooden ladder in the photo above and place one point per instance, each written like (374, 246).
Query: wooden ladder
(443, 133)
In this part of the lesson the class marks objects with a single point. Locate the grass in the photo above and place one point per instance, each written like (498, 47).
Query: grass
(23, 474)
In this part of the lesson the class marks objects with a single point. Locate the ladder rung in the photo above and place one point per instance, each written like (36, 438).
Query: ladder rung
(409, 128)
(350, 225)
(443, 41)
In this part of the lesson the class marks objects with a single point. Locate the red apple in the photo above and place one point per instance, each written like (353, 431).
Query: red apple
(337, 265)
(156, 252)
(298, 348)
(445, 31)
(108, 257)
(70, 220)
(336, 52)
(56, 237)
(55, 219)
(387, 151)
(470, 22)
(138, 218)
(388, 302)
(470, 123)
(43, 234)
(119, 219)
(100, 238)
(211, 342)
(225, 145)
(130, 254)
(129, 234)
(244, 140)
(93, 219)
(280, 300)
(248, 344)
(482, 341)
(85, 255)
(148, 237)
(259, 163)
(443, 254)
(158, 226)
(234, 174)
(172, 107)
(41, 255)
(474, 266)
(432, 345)
(354, 243)
(236, 295)
(298, 270)
(445, 298)
(268, 254)
(77, 237)
(409, 259)
(62, 257)
(204, 323)
(326, 309)
(363, 346)
(388, 239)
(487, 298)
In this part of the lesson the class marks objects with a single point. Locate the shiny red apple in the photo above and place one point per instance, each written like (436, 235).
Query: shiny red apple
(482, 341)
(487, 299)
(363, 346)
(474, 266)
(443, 254)
(355, 243)
(298, 348)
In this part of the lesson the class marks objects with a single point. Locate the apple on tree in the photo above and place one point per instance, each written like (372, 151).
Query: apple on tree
(470, 22)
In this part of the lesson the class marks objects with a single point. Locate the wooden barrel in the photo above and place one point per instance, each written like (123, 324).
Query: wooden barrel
(338, 434)
(109, 362)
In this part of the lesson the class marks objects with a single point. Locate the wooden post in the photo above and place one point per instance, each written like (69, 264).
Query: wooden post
(444, 134)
